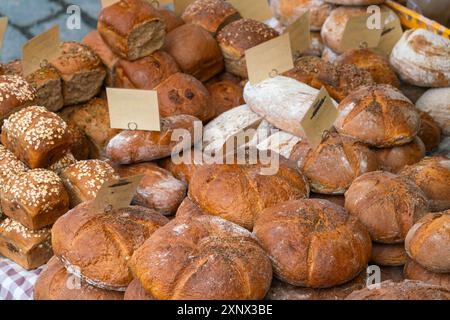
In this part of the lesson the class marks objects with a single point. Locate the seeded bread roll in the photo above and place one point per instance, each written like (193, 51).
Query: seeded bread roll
(204, 258)
(420, 58)
(430, 132)
(135, 292)
(387, 204)
(432, 175)
(129, 147)
(81, 70)
(378, 115)
(55, 283)
(67, 160)
(377, 65)
(158, 190)
(428, 242)
(15, 94)
(437, 103)
(145, 73)
(225, 94)
(195, 51)
(238, 193)
(407, 290)
(415, 271)
(36, 136)
(132, 28)
(389, 255)
(339, 80)
(29, 249)
(239, 36)
(10, 166)
(396, 158)
(182, 94)
(171, 20)
(97, 246)
(96, 43)
(35, 198)
(85, 178)
(211, 15)
(288, 11)
(336, 163)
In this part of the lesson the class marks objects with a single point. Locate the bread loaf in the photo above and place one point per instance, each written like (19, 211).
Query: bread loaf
(428, 242)
(135, 292)
(130, 147)
(396, 158)
(15, 94)
(387, 204)
(432, 175)
(29, 249)
(10, 166)
(195, 51)
(67, 160)
(420, 58)
(407, 290)
(301, 236)
(415, 271)
(132, 28)
(188, 208)
(80, 146)
(36, 136)
(389, 255)
(170, 18)
(437, 103)
(182, 94)
(203, 258)
(225, 94)
(211, 15)
(280, 142)
(84, 179)
(184, 170)
(238, 193)
(55, 283)
(378, 115)
(158, 190)
(430, 132)
(35, 198)
(81, 70)
(239, 36)
(96, 246)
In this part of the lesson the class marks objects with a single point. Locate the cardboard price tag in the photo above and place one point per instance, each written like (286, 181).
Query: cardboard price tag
(44, 47)
(133, 109)
(3, 27)
(299, 33)
(319, 118)
(180, 5)
(253, 9)
(269, 59)
(390, 35)
(358, 35)
(116, 193)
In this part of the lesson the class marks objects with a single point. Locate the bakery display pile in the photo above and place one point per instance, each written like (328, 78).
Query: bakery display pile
(374, 192)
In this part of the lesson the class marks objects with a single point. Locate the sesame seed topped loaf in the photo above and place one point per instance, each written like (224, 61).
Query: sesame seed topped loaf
(36, 136)
(85, 178)
(35, 198)
(15, 94)
(30, 249)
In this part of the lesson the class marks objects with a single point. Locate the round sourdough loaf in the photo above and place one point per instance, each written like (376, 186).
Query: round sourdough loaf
(407, 290)
(96, 246)
(313, 243)
(55, 283)
(430, 133)
(415, 271)
(428, 242)
(389, 255)
(420, 58)
(432, 175)
(238, 193)
(437, 103)
(202, 258)
(387, 204)
(378, 115)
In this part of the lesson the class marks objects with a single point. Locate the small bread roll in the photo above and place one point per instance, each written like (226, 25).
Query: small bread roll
(430, 132)
(301, 236)
(389, 255)
(437, 103)
(378, 115)
(15, 94)
(415, 271)
(387, 204)
(428, 242)
(432, 175)
(396, 158)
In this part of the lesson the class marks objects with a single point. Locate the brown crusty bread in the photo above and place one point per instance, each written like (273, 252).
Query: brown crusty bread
(10, 166)
(202, 258)
(55, 283)
(388, 255)
(132, 28)
(300, 237)
(15, 94)
(184, 170)
(170, 18)
(430, 133)
(135, 292)
(225, 94)
(188, 208)
(415, 271)
(97, 246)
(387, 204)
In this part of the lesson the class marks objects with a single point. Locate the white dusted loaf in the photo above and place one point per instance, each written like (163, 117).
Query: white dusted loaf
(436, 102)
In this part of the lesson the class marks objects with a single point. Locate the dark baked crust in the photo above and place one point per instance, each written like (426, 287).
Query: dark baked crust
(389, 255)
(430, 132)
(225, 94)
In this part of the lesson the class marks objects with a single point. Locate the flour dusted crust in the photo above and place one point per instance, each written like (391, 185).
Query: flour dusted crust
(421, 58)
(282, 101)
(436, 102)
(280, 142)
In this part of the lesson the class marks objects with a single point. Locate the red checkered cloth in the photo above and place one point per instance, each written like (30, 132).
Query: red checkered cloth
(16, 283)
